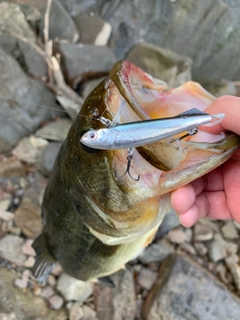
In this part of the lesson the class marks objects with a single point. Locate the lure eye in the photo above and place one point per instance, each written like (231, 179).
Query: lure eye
(92, 135)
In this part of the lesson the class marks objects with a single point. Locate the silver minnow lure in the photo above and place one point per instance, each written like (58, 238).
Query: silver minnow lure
(139, 133)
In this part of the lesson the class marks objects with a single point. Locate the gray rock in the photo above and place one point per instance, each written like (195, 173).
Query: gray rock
(117, 303)
(178, 236)
(229, 231)
(61, 25)
(188, 247)
(146, 278)
(76, 312)
(89, 314)
(28, 215)
(56, 302)
(79, 60)
(55, 131)
(220, 87)
(92, 29)
(23, 304)
(156, 252)
(234, 267)
(184, 291)
(32, 15)
(201, 248)
(202, 232)
(170, 221)
(219, 249)
(11, 249)
(18, 118)
(48, 157)
(32, 61)
(29, 149)
(161, 63)
(73, 289)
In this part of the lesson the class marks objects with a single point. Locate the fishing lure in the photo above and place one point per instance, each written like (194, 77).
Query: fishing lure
(139, 133)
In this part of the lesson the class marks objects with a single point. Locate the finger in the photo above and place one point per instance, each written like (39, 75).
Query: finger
(183, 198)
(198, 210)
(229, 105)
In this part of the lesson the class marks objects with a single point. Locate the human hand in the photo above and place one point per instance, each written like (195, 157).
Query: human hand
(216, 194)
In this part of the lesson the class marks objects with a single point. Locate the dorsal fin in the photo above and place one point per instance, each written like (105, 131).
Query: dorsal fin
(191, 112)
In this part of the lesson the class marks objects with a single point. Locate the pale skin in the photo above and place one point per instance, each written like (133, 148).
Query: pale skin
(216, 194)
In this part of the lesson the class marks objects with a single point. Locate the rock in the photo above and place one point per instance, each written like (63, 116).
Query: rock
(183, 290)
(156, 252)
(32, 61)
(23, 303)
(178, 236)
(73, 289)
(170, 221)
(48, 156)
(92, 29)
(27, 248)
(229, 231)
(161, 63)
(233, 263)
(61, 26)
(56, 302)
(22, 282)
(12, 167)
(188, 247)
(29, 149)
(220, 87)
(202, 232)
(47, 292)
(28, 215)
(219, 249)
(79, 60)
(76, 312)
(89, 314)
(13, 23)
(237, 225)
(29, 263)
(6, 215)
(55, 131)
(11, 249)
(201, 248)
(32, 15)
(5, 201)
(51, 280)
(146, 278)
(19, 119)
(117, 303)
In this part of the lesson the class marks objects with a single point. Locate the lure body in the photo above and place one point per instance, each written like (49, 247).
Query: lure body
(140, 133)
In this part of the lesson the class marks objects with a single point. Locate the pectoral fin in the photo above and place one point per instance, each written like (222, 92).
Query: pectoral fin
(44, 260)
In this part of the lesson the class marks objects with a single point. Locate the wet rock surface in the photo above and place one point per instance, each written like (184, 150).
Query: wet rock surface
(161, 281)
(174, 295)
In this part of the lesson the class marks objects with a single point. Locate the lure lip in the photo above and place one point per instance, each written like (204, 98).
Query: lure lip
(131, 134)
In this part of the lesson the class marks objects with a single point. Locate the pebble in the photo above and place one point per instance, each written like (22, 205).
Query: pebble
(76, 312)
(237, 225)
(56, 302)
(6, 215)
(5, 202)
(178, 236)
(219, 249)
(29, 149)
(146, 278)
(11, 249)
(89, 314)
(170, 221)
(201, 248)
(27, 248)
(51, 280)
(189, 248)
(55, 131)
(156, 252)
(73, 289)
(233, 264)
(11, 168)
(229, 231)
(29, 263)
(222, 271)
(47, 292)
(202, 232)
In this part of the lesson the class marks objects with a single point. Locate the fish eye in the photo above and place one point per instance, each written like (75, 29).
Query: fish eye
(92, 135)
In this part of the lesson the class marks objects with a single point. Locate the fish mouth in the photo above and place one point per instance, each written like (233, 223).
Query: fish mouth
(133, 95)
(168, 164)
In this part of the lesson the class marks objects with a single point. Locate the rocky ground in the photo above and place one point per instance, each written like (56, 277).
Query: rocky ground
(185, 273)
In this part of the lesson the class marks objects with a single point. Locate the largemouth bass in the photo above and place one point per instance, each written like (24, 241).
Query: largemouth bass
(95, 222)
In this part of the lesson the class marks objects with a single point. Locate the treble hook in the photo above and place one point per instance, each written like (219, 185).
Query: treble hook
(129, 159)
